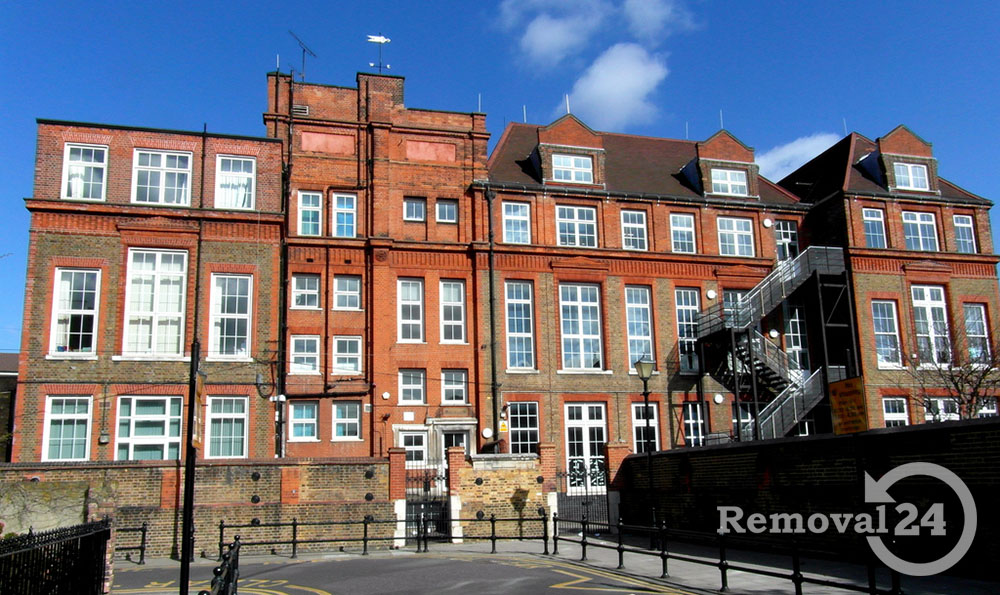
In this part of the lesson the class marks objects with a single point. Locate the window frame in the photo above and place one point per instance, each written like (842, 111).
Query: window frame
(940, 404)
(726, 186)
(155, 315)
(694, 425)
(305, 422)
(298, 292)
(414, 201)
(527, 412)
(572, 170)
(454, 381)
(639, 440)
(925, 222)
(510, 218)
(676, 229)
(637, 323)
(220, 176)
(317, 209)
(422, 448)
(933, 334)
(965, 245)
(211, 416)
(296, 355)
(335, 366)
(447, 203)
(736, 236)
(68, 165)
(568, 228)
(339, 292)
(982, 335)
(909, 169)
(163, 170)
(639, 239)
(892, 419)
(58, 310)
(447, 310)
(346, 421)
(412, 323)
(167, 418)
(350, 214)
(687, 328)
(786, 239)
(889, 317)
(583, 309)
(520, 336)
(406, 385)
(586, 422)
(215, 351)
(47, 436)
(874, 217)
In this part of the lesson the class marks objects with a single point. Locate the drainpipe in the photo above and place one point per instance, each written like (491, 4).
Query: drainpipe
(494, 389)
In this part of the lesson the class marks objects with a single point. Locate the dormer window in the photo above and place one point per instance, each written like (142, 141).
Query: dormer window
(910, 176)
(575, 169)
(729, 181)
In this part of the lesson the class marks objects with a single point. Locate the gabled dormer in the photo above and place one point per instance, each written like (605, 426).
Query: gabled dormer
(724, 167)
(907, 162)
(570, 153)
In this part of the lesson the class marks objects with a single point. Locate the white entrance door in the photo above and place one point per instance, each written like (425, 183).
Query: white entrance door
(586, 436)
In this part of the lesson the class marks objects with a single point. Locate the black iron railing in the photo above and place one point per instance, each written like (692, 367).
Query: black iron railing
(64, 561)
(226, 575)
(128, 549)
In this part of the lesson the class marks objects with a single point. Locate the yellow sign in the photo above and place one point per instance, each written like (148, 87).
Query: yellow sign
(847, 403)
(503, 425)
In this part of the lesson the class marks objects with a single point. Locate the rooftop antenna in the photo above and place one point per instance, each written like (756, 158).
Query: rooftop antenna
(524, 113)
(381, 40)
(277, 62)
(686, 137)
(722, 125)
(480, 108)
(567, 104)
(845, 126)
(305, 50)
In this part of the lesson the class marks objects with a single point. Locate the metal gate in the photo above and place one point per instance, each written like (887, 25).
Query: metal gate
(583, 490)
(427, 499)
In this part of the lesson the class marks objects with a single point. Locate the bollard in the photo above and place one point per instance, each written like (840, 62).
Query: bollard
(723, 564)
(555, 533)
(295, 538)
(663, 549)
(364, 540)
(896, 588)
(142, 543)
(796, 568)
(493, 533)
(545, 533)
(621, 546)
(222, 537)
(583, 540)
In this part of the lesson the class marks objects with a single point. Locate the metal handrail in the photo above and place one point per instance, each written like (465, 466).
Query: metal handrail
(788, 408)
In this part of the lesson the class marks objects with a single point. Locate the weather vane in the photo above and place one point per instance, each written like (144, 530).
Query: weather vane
(380, 40)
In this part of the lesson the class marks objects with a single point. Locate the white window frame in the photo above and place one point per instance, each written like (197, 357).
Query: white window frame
(413, 461)
(592, 423)
(574, 228)
(687, 304)
(786, 239)
(516, 222)
(730, 182)
(156, 315)
(639, 427)
(302, 350)
(572, 169)
(905, 178)
(314, 210)
(342, 357)
(441, 208)
(736, 237)
(230, 185)
(634, 230)
(682, 234)
(941, 405)
(64, 418)
(83, 170)
(454, 387)
(232, 417)
(694, 424)
(344, 215)
(219, 318)
(895, 418)
(874, 224)
(61, 335)
(298, 418)
(414, 209)
(920, 231)
(341, 291)
(933, 314)
(988, 409)
(163, 172)
(169, 420)
(302, 289)
(965, 242)
(977, 329)
(885, 328)
(523, 434)
(639, 323)
(412, 386)
(343, 418)
(409, 311)
(452, 311)
(580, 307)
(520, 323)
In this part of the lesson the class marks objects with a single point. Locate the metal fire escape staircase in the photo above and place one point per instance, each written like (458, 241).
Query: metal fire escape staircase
(789, 395)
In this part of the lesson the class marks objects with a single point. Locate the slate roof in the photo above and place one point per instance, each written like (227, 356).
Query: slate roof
(8, 362)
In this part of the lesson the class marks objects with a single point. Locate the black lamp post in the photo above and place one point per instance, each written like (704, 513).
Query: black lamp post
(644, 368)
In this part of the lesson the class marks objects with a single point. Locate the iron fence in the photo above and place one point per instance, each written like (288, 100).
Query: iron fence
(128, 549)
(226, 576)
(64, 561)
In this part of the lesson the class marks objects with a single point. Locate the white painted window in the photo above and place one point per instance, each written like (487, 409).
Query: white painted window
(580, 317)
(977, 333)
(415, 445)
(149, 428)
(154, 302)
(786, 239)
(75, 301)
(345, 212)
(886, 334)
(161, 177)
(227, 427)
(894, 412)
(639, 323)
(412, 386)
(729, 181)
(931, 322)
(735, 237)
(304, 420)
(414, 209)
(641, 440)
(347, 355)
(447, 210)
(453, 386)
(586, 438)
(634, 230)
(989, 407)
(577, 226)
(231, 313)
(874, 220)
(235, 182)
(686, 301)
(920, 231)
(694, 425)
(520, 325)
(411, 310)
(85, 172)
(965, 236)
(310, 213)
(346, 420)
(682, 233)
(346, 292)
(940, 409)
(523, 417)
(796, 341)
(516, 223)
(452, 298)
(305, 354)
(305, 292)
(67, 428)
(910, 176)
(450, 439)
(577, 169)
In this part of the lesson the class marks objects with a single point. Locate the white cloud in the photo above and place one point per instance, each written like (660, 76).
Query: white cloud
(614, 91)
(651, 20)
(778, 162)
(553, 29)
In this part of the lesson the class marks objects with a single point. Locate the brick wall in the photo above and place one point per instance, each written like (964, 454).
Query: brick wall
(507, 486)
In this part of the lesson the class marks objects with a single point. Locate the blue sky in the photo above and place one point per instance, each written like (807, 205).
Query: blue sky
(785, 75)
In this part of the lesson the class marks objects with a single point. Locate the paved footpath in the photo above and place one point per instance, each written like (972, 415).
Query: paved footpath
(518, 567)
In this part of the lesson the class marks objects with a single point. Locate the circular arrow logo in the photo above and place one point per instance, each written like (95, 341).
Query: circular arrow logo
(877, 492)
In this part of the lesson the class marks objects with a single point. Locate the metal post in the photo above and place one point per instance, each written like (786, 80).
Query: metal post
(364, 540)
(545, 533)
(295, 538)
(796, 568)
(663, 549)
(222, 537)
(583, 540)
(187, 532)
(621, 546)
(555, 533)
(493, 533)
(723, 564)
(896, 588)
(142, 544)
(753, 386)
(649, 454)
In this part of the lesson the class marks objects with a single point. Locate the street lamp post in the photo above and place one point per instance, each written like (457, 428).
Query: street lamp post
(644, 368)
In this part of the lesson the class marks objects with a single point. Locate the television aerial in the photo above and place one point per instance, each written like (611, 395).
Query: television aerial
(305, 50)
